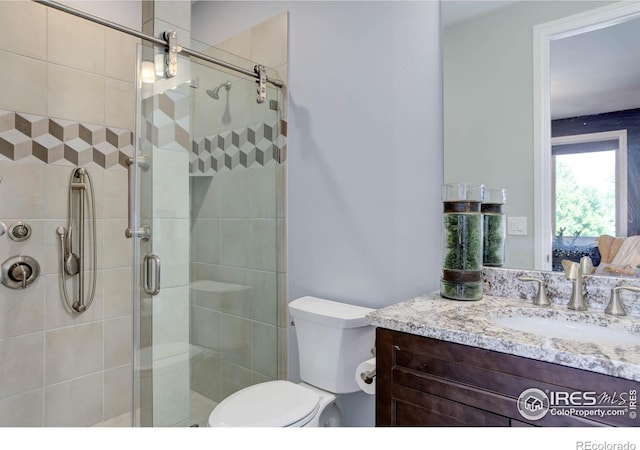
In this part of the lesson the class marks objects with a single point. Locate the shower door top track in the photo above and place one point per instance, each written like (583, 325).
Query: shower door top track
(172, 48)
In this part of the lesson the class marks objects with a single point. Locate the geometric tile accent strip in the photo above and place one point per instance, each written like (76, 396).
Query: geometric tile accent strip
(243, 147)
(166, 120)
(29, 137)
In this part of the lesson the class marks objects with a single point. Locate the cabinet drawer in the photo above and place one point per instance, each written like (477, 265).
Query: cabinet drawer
(414, 407)
(470, 375)
(476, 397)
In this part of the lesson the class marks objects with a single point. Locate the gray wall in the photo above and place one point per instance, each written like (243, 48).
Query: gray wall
(365, 149)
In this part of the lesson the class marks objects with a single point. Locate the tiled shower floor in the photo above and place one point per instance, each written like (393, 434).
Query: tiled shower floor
(201, 407)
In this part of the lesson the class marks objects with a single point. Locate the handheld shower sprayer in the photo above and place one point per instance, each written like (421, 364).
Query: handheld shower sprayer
(72, 264)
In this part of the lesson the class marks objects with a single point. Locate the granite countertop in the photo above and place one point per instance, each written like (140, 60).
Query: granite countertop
(469, 323)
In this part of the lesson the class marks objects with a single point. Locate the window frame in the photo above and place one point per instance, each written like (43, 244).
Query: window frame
(620, 173)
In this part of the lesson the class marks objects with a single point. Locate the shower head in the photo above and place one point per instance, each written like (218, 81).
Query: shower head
(213, 93)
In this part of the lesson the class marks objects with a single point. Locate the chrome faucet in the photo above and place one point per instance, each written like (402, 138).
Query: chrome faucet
(541, 297)
(574, 272)
(615, 306)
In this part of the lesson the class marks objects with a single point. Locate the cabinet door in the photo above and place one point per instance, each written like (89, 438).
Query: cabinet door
(517, 423)
(423, 381)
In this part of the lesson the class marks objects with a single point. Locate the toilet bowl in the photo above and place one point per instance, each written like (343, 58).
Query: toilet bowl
(326, 371)
(277, 403)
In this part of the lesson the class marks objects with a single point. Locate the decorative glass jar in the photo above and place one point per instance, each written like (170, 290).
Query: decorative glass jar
(462, 242)
(494, 227)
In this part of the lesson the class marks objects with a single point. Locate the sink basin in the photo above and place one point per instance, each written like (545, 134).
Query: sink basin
(564, 329)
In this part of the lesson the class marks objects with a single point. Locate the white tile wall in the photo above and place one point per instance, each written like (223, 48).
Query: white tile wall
(24, 88)
(86, 89)
(22, 312)
(117, 390)
(24, 410)
(171, 321)
(171, 390)
(118, 98)
(120, 56)
(56, 310)
(238, 274)
(74, 403)
(117, 342)
(75, 42)
(22, 368)
(24, 30)
(60, 368)
(72, 352)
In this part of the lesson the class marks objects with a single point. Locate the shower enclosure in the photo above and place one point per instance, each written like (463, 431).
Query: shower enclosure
(207, 178)
(186, 307)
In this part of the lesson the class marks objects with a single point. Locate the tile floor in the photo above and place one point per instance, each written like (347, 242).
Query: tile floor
(200, 405)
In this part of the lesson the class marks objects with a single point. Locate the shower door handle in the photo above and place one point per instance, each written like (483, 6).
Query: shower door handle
(151, 274)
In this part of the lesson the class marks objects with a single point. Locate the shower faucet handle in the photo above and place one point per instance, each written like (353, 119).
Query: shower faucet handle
(20, 272)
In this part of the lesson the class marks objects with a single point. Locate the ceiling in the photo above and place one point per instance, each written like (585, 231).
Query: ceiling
(596, 72)
(454, 11)
(591, 73)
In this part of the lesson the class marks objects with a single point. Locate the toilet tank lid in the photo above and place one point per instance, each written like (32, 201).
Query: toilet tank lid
(328, 312)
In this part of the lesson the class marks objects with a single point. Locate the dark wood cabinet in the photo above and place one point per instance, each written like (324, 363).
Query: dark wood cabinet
(428, 382)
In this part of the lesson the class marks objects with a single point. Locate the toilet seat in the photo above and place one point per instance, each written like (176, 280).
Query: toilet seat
(277, 403)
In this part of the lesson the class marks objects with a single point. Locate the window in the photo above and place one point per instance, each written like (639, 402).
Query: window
(589, 185)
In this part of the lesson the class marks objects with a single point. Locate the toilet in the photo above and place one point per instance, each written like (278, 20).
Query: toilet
(333, 338)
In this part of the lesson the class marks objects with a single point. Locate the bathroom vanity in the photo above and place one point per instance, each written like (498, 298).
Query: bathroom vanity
(447, 363)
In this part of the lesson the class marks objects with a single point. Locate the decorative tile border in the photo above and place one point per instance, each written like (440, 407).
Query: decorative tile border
(243, 147)
(28, 137)
(24, 136)
(166, 120)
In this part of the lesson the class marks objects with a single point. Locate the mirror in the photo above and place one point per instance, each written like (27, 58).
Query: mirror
(492, 129)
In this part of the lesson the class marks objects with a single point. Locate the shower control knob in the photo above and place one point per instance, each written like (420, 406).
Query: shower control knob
(19, 231)
(19, 272)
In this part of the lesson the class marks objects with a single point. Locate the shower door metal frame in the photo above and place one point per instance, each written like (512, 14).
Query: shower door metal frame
(169, 41)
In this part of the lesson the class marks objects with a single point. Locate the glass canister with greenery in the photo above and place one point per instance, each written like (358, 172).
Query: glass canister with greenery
(462, 242)
(494, 227)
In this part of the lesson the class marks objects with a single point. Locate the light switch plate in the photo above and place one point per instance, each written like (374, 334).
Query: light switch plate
(517, 226)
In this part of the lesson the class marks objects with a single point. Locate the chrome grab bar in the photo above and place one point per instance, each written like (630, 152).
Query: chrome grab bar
(151, 272)
(72, 264)
(144, 232)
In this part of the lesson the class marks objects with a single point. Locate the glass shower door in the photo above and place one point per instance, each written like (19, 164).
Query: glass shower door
(206, 279)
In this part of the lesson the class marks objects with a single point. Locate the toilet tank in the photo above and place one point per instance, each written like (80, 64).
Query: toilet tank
(333, 338)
